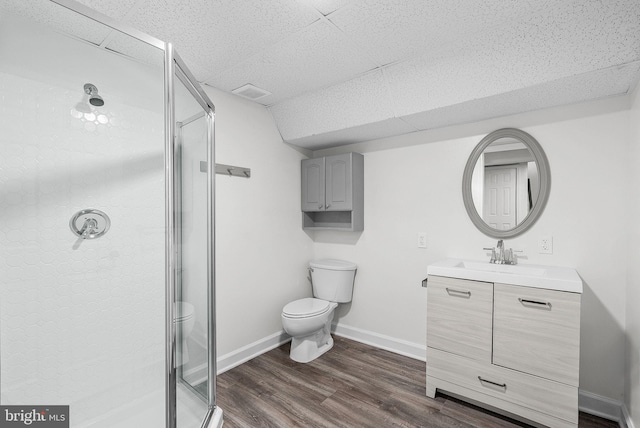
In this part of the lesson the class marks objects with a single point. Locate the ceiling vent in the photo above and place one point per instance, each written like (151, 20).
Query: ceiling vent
(251, 92)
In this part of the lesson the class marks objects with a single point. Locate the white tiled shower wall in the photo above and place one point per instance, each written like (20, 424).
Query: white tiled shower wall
(81, 323)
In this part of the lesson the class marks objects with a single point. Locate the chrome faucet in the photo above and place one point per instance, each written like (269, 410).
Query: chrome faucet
(501, 256)
(493, 254)
(500, 247)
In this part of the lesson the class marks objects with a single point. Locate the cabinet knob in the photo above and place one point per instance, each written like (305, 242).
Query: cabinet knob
(320, 206)
(327, 206)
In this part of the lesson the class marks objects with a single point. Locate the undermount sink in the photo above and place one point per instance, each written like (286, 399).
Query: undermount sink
(492, 267)
(537, 276)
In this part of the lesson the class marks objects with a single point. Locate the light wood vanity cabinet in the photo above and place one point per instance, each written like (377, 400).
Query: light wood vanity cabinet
(510, 347)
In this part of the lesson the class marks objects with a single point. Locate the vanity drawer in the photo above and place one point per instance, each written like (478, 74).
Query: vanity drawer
(537, 331)
(541, 396)
(459, 315)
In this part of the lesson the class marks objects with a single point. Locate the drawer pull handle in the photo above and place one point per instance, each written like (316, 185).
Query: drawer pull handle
(499, 385)
(535, 303)
(458, 293)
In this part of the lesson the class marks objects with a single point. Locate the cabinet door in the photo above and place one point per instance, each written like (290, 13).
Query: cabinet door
(459, 316)
(339, 183)
(313, 184)
(537, 331)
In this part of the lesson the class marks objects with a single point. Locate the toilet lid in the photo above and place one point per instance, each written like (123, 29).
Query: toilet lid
(306, 307)
(333, 264)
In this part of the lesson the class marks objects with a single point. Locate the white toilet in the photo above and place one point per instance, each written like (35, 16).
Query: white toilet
(185, 321)
(308, 320)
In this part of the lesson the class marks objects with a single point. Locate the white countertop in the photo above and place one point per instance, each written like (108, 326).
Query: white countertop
(538, 276)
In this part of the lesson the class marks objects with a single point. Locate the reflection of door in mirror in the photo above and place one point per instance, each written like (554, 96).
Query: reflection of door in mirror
(505, 184)
(500, 189)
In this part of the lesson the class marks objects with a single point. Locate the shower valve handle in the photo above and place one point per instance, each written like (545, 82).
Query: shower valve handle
(89, 224)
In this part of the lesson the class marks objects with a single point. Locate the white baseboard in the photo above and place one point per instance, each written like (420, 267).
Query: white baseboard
(627, 417)
(398, 346)
(232, 359)
(252, 350)
(604, 407)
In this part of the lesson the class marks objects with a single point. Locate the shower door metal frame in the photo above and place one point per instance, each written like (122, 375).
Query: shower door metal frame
(110, 22)
(174, 66)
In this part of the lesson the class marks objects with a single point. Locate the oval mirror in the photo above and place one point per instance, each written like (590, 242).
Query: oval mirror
(506, 183)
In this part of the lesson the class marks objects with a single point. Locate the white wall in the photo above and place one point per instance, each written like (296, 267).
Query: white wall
(416, 187)
(632, 392)
(261, 250)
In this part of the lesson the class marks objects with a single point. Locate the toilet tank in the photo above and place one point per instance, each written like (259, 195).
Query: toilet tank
(332, 280)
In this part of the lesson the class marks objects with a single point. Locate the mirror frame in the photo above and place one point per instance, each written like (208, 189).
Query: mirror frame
(545, 182)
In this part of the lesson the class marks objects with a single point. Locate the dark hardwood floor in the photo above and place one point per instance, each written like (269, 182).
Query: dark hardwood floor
(353, 385)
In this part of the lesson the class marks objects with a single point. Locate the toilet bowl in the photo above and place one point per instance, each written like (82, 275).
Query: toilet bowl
(185, 321)
(308, 320)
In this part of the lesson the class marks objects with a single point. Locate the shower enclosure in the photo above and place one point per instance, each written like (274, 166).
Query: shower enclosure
(106, 225)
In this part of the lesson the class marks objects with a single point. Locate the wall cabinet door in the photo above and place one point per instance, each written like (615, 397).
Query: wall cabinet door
(338, 182)
(327, 183)
(313, 184)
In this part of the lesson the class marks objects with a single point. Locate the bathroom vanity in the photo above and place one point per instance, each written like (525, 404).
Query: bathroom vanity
(506, 337)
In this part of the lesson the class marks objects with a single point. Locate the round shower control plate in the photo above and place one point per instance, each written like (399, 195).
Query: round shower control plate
(89, 223)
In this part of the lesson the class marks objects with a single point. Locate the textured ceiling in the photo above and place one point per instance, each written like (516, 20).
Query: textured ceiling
(345, 71)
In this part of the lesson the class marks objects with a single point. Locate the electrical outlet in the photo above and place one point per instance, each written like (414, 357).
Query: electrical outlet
(545, 245)
(422, 240)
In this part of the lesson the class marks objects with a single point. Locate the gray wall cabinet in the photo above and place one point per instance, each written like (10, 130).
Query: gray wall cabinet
(333, 192)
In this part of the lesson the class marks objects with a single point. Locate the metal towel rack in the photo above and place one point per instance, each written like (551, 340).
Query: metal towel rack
(235, 171)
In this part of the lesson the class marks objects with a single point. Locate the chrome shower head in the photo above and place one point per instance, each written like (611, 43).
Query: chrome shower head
(94, 98)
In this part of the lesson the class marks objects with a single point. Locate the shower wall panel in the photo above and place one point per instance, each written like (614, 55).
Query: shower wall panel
(81, 321)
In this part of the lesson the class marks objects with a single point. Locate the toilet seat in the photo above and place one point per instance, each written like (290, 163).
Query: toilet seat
(307, 307)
